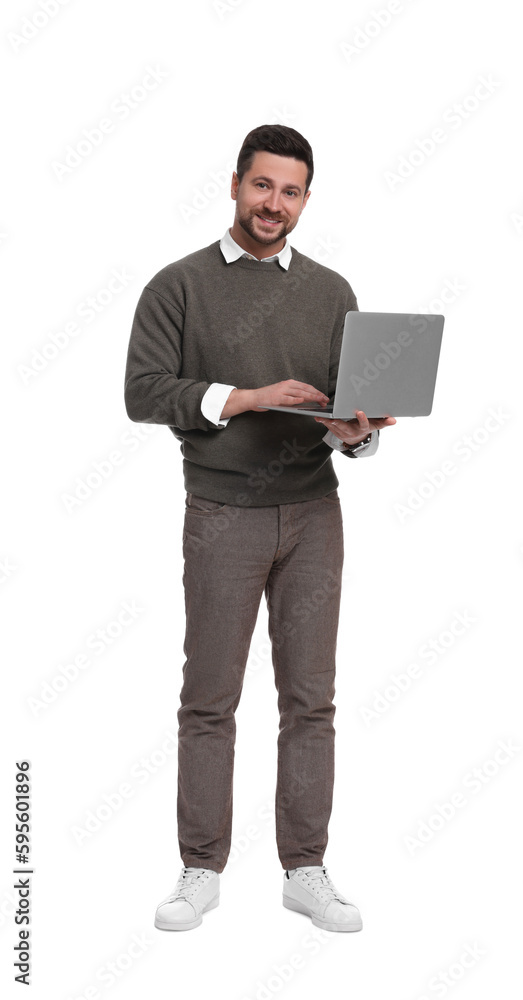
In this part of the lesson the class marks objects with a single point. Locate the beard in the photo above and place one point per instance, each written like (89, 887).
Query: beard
(266, 238)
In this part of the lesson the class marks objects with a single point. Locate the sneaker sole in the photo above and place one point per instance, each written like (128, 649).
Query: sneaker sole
(326, 925)
(187, 925)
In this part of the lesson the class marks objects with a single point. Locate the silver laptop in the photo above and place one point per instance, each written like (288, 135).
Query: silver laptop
(388, 367)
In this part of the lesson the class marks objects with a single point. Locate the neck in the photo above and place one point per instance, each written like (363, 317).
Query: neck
(251, 246)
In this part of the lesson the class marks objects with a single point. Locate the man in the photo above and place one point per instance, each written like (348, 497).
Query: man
(247, 321)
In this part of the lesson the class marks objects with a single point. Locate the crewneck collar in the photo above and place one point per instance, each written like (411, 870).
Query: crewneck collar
(232, 251)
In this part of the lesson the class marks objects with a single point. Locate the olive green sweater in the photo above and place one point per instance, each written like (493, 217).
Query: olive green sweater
(201, 320)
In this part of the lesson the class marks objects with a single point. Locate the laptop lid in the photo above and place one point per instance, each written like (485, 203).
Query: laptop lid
(388, 364)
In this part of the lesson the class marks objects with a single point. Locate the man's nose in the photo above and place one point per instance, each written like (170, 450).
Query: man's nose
(273, 202)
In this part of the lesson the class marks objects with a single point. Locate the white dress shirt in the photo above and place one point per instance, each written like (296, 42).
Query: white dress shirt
(218, 393)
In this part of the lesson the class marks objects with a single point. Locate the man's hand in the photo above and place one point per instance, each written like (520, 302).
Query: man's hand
(287, 393)
(290, 392)
(354, 431)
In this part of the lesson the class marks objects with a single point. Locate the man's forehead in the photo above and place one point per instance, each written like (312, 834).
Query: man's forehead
(272, 166)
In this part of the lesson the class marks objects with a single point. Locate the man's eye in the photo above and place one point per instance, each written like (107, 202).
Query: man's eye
(292, 192)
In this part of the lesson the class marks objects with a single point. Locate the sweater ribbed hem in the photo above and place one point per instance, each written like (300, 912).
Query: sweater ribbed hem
(232, 488)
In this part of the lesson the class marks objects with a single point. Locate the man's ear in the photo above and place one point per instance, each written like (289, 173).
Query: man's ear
(234, 185)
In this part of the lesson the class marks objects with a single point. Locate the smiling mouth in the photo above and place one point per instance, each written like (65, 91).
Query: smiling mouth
(269, 222)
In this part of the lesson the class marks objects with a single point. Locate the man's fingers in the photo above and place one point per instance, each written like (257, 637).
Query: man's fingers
(384, 422)
(362, 420)
(305, 389)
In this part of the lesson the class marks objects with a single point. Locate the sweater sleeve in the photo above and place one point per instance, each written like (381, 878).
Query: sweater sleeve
(154, 393)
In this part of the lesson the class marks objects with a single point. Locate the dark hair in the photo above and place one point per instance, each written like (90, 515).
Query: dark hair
(279, 139)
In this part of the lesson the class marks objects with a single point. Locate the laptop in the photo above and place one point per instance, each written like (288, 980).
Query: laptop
(388, 367)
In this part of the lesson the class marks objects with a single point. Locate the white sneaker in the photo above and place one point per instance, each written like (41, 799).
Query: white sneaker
(310, 890)
(197, 890)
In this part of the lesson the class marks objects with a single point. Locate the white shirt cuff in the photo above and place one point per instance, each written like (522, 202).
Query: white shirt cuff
(214, 400)
(333, 441)
(370, 449)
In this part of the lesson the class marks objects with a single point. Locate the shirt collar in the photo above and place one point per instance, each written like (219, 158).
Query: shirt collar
(231, 251)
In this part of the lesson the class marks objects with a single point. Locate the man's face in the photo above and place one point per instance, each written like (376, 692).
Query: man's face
(269, 201)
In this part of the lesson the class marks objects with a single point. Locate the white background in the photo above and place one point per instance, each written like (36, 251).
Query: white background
(455, 222)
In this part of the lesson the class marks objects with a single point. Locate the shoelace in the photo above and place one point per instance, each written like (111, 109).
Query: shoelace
(187, 883)
(322, 885)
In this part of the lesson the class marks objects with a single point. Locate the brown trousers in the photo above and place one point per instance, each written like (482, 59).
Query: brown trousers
(293, 552)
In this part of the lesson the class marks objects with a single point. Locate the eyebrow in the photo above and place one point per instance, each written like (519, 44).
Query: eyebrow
(262, 178)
